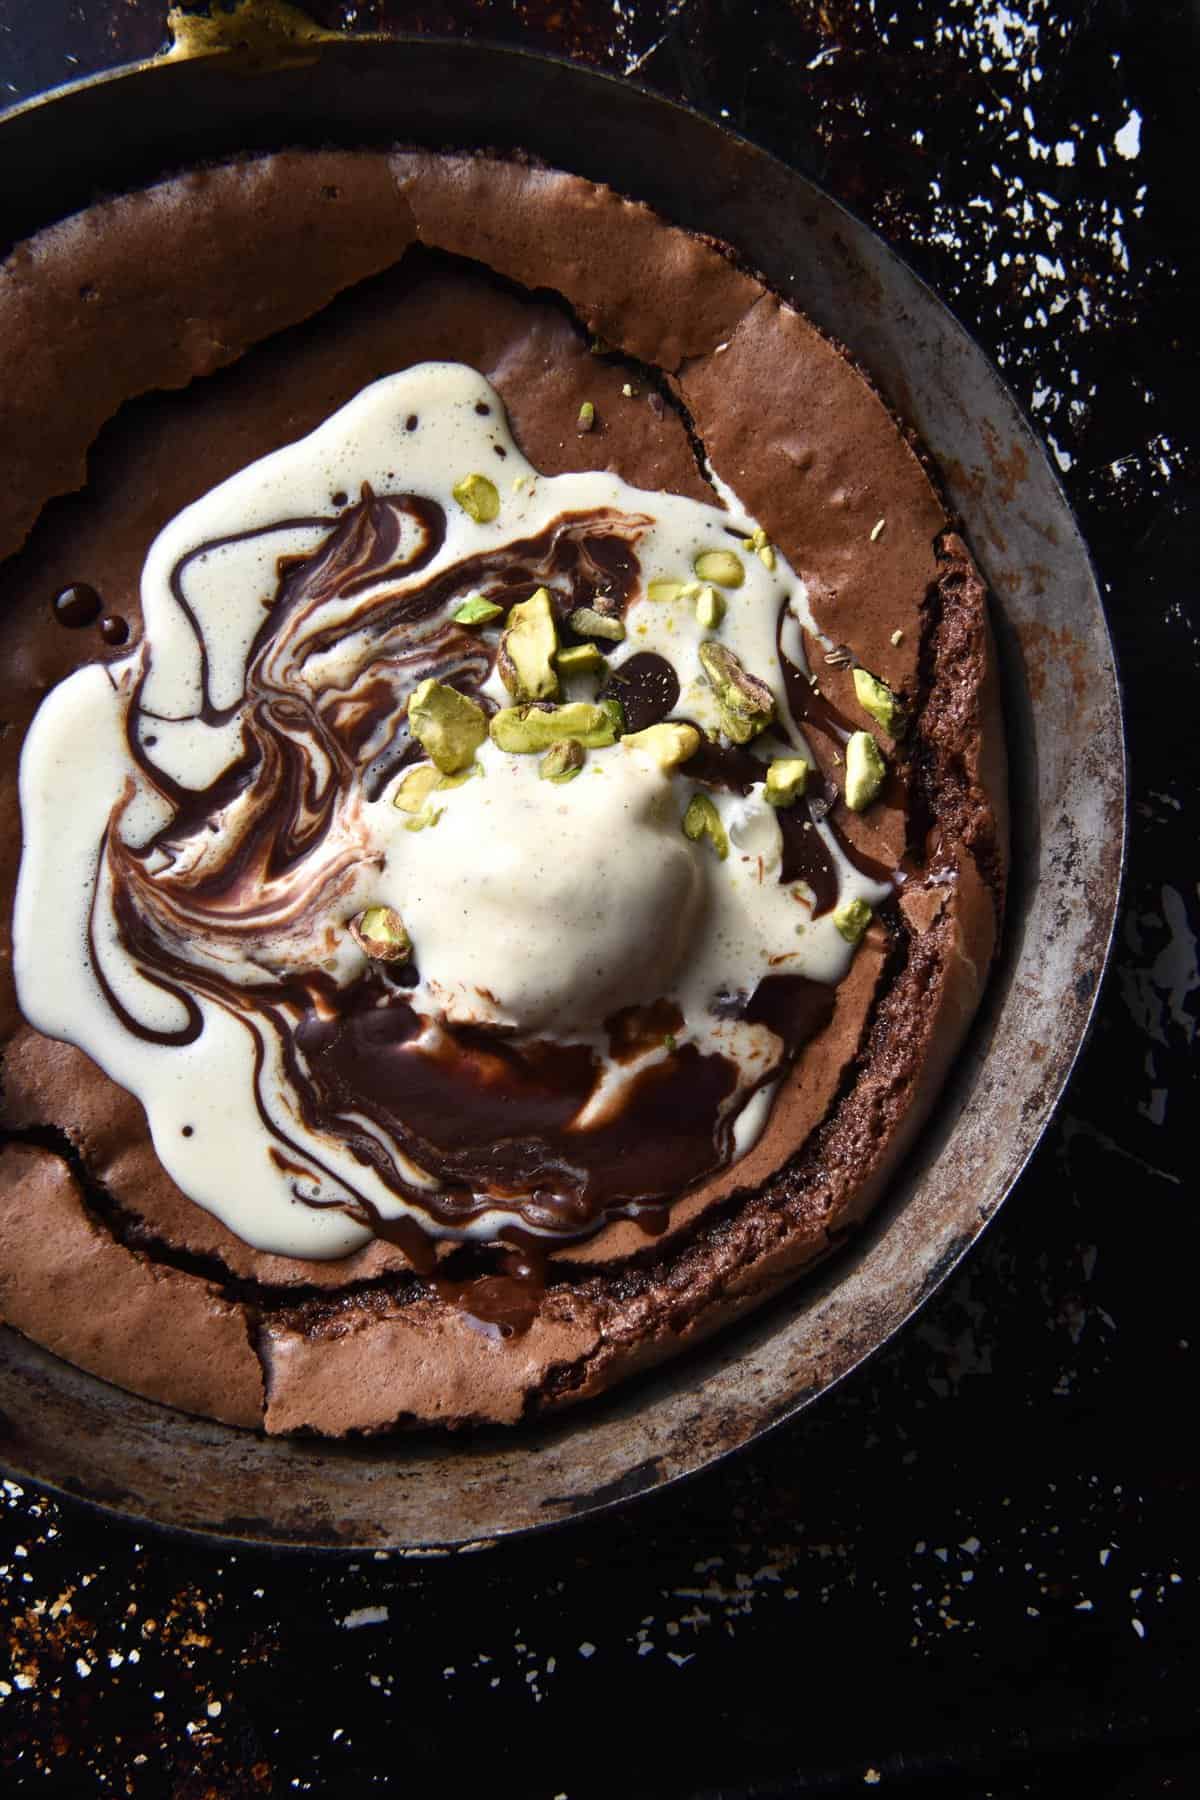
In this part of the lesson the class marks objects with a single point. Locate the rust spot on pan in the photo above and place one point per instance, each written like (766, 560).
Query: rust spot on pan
(1010, 471)
(1047, 652)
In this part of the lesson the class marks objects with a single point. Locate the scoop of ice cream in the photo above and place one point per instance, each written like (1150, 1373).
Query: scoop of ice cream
(547, 906)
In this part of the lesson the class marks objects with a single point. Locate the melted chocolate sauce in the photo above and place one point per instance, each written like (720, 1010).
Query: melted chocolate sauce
(77, 605)
(729, 766)
(647, 687)
(806, 857)
(503, 1305)
(491, 1118)
(791, 1006)
(114, 629)
(807, 703)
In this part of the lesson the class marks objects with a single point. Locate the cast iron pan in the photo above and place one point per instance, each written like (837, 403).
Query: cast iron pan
(424, 1493)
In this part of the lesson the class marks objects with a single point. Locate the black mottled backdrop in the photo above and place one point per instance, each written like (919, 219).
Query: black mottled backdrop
(973, 1569)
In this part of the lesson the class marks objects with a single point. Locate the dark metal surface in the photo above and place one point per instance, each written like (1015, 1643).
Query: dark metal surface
(62, 1427)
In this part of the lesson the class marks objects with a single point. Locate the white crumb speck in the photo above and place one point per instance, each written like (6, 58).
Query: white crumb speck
(365, 1615)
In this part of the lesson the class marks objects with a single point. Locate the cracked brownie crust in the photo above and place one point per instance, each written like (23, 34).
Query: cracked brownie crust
(309, 275)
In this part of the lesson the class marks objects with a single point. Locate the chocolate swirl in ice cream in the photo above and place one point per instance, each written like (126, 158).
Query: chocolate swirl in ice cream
(602, 1021)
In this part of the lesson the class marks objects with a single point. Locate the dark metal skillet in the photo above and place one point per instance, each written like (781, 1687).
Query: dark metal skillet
(424, 1494)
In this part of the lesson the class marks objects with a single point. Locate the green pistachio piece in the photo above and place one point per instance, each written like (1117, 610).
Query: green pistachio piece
(852, 919)
(448, 726)
(478, 497)
(379, 932)
(616, 713)
(587, 416)
(669, 743)
(415, 788)
(724, 567)
(525, 659)
(702, 820)
(766, 556)
(580, 659)
(430, 816)
(592, 624)
(419, 782)
(710, 608)
(475, 610)
(746, 704)
(876, 698)
(665, 590)
(563, 761)
(522, 729)
(865, 771)
(787, 779)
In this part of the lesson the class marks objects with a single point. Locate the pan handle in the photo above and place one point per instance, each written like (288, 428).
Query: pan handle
(262, 34)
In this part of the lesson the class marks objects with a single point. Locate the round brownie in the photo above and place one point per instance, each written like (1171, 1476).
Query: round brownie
(162, 341)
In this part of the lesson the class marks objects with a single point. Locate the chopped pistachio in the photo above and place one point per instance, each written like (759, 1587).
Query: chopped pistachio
(616, 713)
(629, 391)
(865, 771)
(878, 529)
(664, 590)
(523, 729)
(787, 779)
(876, 698)
(580, 659)
(766, 556)
(669, 743)
(448, 726)
(590, 623)
(379, 932)
(587, 416)
(419, 782)
(563, 761)
(478, 498)
(702, 820)
(475, 610)
(852, 919)
(724, 567)
(525, 659)
(415, 788)
(746, 704)
(429, 816)
(710, 608)
(897, 638)
(756, 541)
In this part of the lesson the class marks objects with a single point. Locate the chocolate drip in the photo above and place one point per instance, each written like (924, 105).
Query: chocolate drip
(114, 629)
(806, 857)
(503, 1305)
(77, 605)
(647, 687)
(807, 703)
(793, 1007)
(724, 766)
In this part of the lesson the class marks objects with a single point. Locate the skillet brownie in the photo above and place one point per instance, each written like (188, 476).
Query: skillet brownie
(524, 835)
